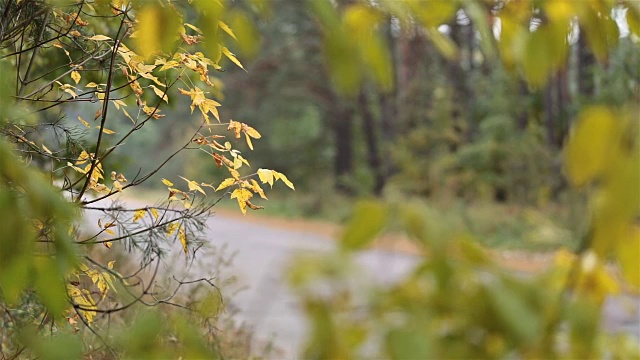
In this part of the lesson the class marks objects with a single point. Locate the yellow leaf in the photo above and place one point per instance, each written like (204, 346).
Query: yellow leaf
(108, 244)
(161, 94)
(249, 143)
(169, 65)
(232, 57)
(234, 173)
(92, 85)
(236, 127)
(594, 280)
(139, 215)
(257, 189)
(106, 131)
(71, 92)
(171, 228)
(242, 195)
(266, 176)
(251, 131)
(193, 186)
(183, 239)
(242, 159)
(629, 254)
(167, 182)
(237, 163)
(76, 76)
(154, 212)
(193, 28)
(109, 231)
(281, 176)
(208, 185)
(226, 183)
(227, 29)
(84, 122)
(110, 264)
(590, 145)
(151, 77)
(148, 30)
(46, 149)
(127, 115)
(117, 185)
(99, 38)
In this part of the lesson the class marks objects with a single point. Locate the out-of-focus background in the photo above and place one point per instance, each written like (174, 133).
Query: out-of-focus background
(465, 134)
(466, 179)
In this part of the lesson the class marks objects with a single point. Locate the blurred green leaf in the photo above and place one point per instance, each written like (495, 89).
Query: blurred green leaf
(513, 312)
(409, 343)
(369, 218)
(56, 347)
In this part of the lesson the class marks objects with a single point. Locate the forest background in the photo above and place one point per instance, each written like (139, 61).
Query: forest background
(473, 134)
(496, 116)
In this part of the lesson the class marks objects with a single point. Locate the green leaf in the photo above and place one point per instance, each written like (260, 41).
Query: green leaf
(343, 61)
(513, 312)
(368, 220)
(58, 347)
(409, 344)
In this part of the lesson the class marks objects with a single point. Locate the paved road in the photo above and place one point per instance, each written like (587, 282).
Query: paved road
(262, 256)
(263, 252)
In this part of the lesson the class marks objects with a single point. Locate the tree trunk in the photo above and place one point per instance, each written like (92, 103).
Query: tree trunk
(371, 140)
(523, 113)
(343, 160)
(550, 113)
(461, 112)
(563, 106)
(388, 110)
(586, 62)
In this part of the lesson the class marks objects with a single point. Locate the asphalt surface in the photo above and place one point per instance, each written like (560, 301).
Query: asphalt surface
(262, 254)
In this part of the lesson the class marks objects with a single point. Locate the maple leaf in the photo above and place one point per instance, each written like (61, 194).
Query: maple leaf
(242, 195)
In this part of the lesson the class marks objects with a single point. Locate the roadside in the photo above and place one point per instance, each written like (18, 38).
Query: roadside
(517, 260)
(263, 248)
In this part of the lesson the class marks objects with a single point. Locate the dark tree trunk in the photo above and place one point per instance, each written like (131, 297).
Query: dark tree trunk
(586, 62)
(371, 140)
(550, 112)
(343, 132)
(564, 100)
(556, 104)
(523, 114)
(388, 99)
(388, 110)
(461, 112)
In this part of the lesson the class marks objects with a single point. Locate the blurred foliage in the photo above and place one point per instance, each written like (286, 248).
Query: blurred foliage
(457, 303)
(492, 133)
